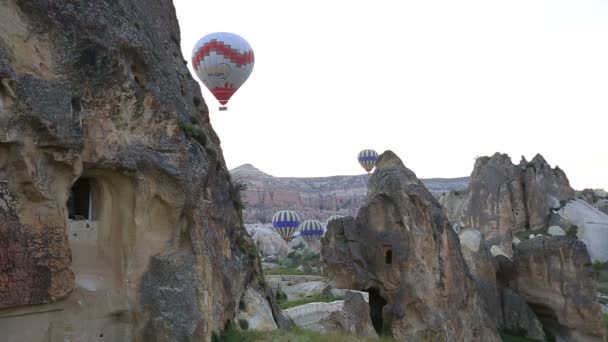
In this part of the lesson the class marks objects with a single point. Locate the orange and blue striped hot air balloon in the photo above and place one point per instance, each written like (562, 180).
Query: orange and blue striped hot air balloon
(311, 230)
(286, 223)
(367, 159)
(222, 61)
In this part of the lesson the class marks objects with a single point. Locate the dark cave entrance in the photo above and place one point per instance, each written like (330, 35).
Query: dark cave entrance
(376, 304)
(388, 254)
(80, 201)
(551, 326)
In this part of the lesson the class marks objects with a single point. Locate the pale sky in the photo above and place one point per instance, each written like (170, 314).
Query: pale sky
(437, 82)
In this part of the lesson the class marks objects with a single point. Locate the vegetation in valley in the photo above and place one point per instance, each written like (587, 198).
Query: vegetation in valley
(233, 334)
(282, 271)
(511, 338)
(602, 276)
(285, 304)
(302, 261)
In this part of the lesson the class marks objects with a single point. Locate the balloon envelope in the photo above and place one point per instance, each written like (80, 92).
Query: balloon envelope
(333, 217)
(311, 230)
(222, 61)
(367, 159)
(286, 223)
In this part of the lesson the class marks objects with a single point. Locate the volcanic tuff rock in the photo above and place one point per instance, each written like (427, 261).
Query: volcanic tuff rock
(354, 318)
(503, 198)
(597, 197)
(507, 308)
(554, 275)
(313, 198)
(96, 96)
(402, 250)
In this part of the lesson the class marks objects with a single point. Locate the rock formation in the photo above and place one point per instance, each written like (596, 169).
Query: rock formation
(503, 198)
(354, 318)
(402, 250)
(314, 198)
(596, 197)
(506, 307)
(555, 278)
(118, 218)
(268, 242)
(590, 224)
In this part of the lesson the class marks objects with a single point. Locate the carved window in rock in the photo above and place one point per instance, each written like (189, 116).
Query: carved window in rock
(80, 200)
(388, 254)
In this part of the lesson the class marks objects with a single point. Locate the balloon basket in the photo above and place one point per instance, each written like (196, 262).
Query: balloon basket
(223, 109)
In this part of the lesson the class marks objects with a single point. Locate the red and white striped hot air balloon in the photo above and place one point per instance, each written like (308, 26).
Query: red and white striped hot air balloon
(222, 61)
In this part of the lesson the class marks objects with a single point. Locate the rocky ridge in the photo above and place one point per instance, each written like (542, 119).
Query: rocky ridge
(503, 198)
(314, 198)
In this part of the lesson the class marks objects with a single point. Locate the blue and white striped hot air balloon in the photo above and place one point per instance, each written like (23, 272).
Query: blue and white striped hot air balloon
(311, 230)
(333, 217)
(367, 159)
(286, 222)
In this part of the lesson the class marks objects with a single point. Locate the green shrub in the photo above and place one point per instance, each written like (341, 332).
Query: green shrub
(237, 188)
(601, 268)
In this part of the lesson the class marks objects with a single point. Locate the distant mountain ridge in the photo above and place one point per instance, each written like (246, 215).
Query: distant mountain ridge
(314, 197)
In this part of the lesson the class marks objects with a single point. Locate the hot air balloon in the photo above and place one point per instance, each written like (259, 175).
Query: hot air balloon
(286, 222)
(311, 230)
(333, 217)
(368, 159)
(222, 61)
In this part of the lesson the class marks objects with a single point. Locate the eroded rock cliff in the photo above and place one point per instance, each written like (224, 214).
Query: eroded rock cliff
(118, 218)
(402, 250)
(554, 275)
(503, 198)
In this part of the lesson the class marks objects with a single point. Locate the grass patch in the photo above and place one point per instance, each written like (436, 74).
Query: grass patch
(606, 320)
(602, 276)
(302, 335)
(284, 304)
(281, 270)
(510, 338)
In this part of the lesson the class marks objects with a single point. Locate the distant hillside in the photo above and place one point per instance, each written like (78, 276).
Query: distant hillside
(314, 198)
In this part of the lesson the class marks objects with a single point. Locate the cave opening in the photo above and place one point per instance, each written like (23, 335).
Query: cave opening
(388, 254)
(551, 326)
(80, 200)
(376, 305)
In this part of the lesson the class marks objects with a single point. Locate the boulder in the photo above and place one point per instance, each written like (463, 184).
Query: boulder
(312, 315)
(556, 231)
(554, 276)
(256, 310)
(353, 319)
(304, 289)
(592, 227)
(268, 242)
(403, 251)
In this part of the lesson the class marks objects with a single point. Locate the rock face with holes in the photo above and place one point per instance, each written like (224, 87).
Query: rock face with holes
(402, 250)
(503, 198)
(118, 218)
(554, 276)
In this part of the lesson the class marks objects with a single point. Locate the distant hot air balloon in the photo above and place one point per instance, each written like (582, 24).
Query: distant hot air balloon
(311, 230)
(222, 61)
(333, 217)
(286, 222)
(368, 159)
